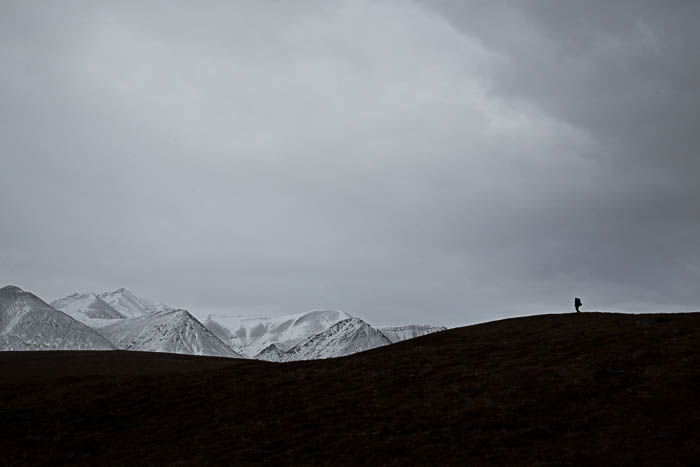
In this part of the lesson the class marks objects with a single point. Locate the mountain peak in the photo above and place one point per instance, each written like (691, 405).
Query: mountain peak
(119, 291)
(345, 337)
(175, 331)
(180, 313)
(87, 308)
(130, 305)
(10, 292)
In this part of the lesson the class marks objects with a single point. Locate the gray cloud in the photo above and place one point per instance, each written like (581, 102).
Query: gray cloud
(406, 162)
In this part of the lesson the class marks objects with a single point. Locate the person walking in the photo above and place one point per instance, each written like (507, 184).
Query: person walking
(577, 304)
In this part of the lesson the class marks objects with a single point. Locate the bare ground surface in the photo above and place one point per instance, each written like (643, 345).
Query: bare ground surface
(563, 389)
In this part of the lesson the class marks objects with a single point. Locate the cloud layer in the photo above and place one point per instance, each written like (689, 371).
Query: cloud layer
(403, 161)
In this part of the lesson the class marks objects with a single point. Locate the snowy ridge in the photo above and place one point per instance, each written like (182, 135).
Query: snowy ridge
(249, 336)
(401, 333)
(88, 308)
(343, 338)
(131, 306)
(174, 331)
(29, 323)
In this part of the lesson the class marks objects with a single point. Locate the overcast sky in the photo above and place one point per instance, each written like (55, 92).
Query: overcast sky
(405, 161)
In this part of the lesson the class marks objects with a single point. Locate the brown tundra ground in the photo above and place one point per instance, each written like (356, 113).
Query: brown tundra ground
(577, 389)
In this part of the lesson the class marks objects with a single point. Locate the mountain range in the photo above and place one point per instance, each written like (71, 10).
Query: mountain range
(250, 335)
(130, 322)
(102, 309)
(123, 320)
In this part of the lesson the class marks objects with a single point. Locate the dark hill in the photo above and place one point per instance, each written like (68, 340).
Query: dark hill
(554, 389)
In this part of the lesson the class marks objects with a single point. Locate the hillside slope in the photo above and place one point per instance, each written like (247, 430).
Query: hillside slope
(402, 333)
(588, 389)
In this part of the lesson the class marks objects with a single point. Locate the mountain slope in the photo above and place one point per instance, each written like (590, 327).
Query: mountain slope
(344, 338)
(271, 353)
(87, 308)
(588, 389)
(131, 306)
(249, 336)
(29, 323)
(172, 331)
(401, 333)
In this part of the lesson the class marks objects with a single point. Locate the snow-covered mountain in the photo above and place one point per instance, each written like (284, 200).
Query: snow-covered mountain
(249, 336)
(88, 308)
(401, 333)
(29, 323)
(174, 331)
(134, 323)
(131, 306)
(296, 336)
(343, 338)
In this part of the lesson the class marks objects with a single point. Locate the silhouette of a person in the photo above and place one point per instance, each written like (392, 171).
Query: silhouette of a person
(577, 304)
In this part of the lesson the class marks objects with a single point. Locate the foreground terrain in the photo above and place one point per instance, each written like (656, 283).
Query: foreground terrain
(575, 389)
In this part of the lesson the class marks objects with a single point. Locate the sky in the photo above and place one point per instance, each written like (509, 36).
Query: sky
(442, 162)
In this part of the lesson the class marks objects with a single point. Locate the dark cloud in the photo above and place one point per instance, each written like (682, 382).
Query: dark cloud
(406, 162)
(624, 75)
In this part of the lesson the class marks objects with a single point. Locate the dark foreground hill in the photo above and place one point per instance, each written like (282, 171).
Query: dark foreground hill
(553, 389)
